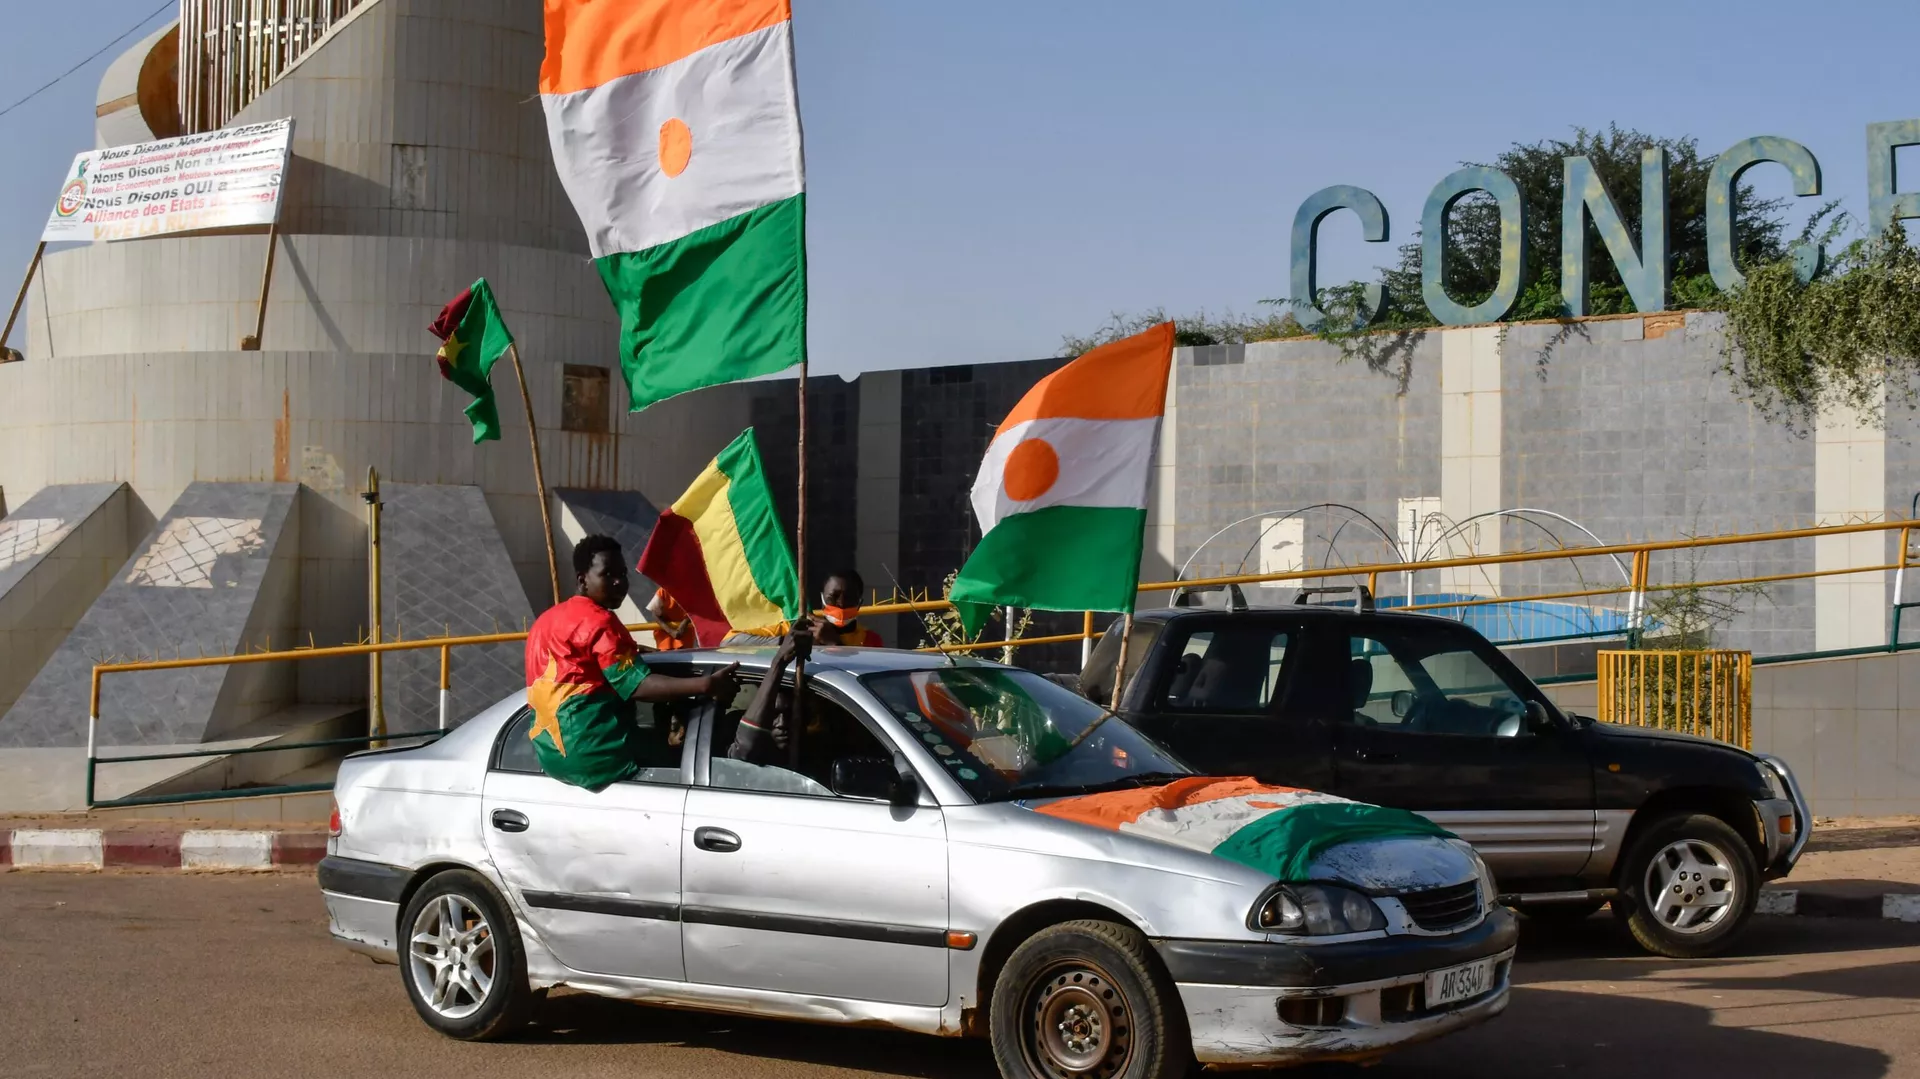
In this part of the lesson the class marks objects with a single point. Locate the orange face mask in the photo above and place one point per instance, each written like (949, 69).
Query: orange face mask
(841, 616)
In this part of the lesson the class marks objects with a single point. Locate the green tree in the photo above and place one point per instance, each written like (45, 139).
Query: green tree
(1199, 328)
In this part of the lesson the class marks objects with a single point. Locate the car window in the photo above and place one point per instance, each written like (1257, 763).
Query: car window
(1096, 682)
(1227, 669)
(831, 733)
(1432, 680)
(515, 753)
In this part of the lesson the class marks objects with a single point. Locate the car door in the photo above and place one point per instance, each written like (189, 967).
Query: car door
(1220, 701)
(788, 886)
(1436, 722)
(597, 875)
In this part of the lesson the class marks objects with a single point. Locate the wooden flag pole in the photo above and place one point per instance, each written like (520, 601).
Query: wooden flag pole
(20, 300)
(1120, 668)
(539, 477)
(252, 343)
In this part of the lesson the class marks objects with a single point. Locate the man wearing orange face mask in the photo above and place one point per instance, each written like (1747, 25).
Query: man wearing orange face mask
(839, 622)
(840, 614)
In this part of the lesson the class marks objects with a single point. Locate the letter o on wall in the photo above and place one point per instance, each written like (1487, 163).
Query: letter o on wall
(1433, 242)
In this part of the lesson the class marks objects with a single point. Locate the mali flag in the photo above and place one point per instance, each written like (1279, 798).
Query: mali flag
(721, 551)
(476, 336)
(1062, 494)
(676, 132)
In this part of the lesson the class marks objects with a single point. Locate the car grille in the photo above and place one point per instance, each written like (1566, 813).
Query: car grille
(1437, 909)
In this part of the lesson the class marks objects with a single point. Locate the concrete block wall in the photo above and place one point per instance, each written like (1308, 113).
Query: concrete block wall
(58, 550)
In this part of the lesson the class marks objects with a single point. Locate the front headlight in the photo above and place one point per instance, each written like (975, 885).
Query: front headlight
(1316, 910)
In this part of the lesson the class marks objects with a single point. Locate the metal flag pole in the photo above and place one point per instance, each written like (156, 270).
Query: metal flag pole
(376, 710)
(539, 477)
(800, 575)
(20, 300)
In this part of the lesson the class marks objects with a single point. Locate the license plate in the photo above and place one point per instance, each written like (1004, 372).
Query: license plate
(1459, 983)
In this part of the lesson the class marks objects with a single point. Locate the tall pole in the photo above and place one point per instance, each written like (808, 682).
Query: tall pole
(20, 299)
(800, 575)
(251, 343)
(376, 713)
(539, 477)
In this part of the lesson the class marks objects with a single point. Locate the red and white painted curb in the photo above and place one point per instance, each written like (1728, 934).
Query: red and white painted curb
(159, 847)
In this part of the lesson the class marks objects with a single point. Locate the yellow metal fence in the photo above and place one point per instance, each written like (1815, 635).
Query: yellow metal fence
(1704, 693)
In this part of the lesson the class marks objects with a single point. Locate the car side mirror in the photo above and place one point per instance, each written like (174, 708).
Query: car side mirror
(1538, 720)
(874, 777)
(1402, 702)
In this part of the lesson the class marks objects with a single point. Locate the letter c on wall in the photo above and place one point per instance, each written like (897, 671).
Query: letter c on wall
(1725, 179)
(1306, 250)
(1433, 244)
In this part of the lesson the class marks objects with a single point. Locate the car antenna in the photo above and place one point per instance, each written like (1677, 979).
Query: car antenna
(925, 626)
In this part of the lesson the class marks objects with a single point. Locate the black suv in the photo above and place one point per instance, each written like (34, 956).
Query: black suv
(1425, 714)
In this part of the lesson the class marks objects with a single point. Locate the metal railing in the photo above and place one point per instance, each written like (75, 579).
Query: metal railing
(1703, 693)
(232, 50)
(446, 645)
(1635, 593)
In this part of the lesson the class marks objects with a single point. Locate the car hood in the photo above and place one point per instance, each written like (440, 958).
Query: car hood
(1186, 838)
(1649, 734)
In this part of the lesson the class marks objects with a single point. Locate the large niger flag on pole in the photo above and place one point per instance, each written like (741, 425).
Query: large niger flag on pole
(1062, 494)
(720, 551)
(676, 131)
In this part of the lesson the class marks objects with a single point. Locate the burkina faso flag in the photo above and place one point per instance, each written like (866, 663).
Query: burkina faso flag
(475, 337)
(583, 668)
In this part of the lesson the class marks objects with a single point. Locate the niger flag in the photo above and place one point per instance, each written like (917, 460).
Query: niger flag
(1062, 494)
(720, 549)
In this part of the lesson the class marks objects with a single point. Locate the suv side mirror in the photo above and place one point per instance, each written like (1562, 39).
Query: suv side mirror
(874, 777)
(1538, 720)
(1401, 702)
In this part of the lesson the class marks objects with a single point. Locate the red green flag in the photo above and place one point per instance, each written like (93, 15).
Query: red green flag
(476, 336)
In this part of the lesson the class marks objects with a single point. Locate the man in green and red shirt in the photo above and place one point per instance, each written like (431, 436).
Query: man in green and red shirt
(584, 674)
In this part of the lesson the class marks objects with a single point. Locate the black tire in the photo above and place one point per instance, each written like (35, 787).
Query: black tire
(1114, 1012)
(505, 1003)
(1667, 916)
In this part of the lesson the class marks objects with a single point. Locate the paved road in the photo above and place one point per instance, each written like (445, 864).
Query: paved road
(210, 977)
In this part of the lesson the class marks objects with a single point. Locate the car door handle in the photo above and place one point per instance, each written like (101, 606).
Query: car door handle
(717, 840)
(510, 820)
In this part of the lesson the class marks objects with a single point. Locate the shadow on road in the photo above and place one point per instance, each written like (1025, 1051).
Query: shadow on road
(1863, 838)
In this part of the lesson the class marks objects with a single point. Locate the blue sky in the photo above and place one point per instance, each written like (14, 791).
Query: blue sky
(985, 177)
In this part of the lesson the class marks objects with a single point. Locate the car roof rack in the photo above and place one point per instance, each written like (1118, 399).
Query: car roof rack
(1364, 595)
(1236, 599)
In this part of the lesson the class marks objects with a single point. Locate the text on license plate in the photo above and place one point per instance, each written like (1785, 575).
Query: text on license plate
(1459, 983)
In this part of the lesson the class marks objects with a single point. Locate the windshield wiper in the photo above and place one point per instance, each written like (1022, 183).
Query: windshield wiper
(1063, 790)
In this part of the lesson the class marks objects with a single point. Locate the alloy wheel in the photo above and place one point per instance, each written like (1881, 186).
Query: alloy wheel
(452, 956)
(1691, 886)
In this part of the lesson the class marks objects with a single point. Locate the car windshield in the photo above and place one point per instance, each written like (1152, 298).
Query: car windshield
(1012, 734)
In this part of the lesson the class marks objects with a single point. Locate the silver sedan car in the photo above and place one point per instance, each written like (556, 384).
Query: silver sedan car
(950, 847)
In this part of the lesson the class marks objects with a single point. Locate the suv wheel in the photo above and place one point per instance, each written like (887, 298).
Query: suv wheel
(1687, 886)
(1088, 1000)
(461, 960)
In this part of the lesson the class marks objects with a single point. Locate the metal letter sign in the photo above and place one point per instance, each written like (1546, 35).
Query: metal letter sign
(1645, 273)
(1433, 244)
(1306, 250)
(1724, 181)
(1886, 203)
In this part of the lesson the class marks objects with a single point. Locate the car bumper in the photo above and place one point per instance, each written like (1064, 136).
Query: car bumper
(1238, 996)
(1783, 846)
(363, 904)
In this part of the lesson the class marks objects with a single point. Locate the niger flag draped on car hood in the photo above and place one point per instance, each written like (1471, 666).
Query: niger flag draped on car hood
(1277, 830)
(720, 549)
(1062, 494)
